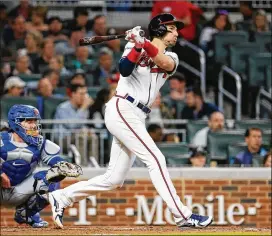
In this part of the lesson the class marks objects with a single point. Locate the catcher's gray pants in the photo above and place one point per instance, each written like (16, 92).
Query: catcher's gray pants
(20, 193)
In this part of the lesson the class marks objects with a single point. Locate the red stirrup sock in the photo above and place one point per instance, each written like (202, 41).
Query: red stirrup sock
(150, 49)
(134, 55)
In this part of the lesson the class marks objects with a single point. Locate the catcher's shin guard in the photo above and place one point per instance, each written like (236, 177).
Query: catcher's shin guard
(27, 212)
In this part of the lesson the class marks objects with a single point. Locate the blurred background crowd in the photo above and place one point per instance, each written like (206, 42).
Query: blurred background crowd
(223, 49)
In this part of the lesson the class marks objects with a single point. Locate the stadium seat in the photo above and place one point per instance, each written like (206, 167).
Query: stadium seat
(257, 65)
(267, 138)
(244, 25)
(240, 53)
(233, 150)
(8, 102)
(60, 91)
(93, 91)
(193, 126)
(176, 154)
(165, 89)
(245, 124)
(50, 105)
(268, 78)
(264, 39)
(218, 143)
(30, 78)
(224, 40)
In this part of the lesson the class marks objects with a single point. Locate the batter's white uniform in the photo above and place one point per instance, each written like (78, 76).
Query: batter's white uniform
(126, 122)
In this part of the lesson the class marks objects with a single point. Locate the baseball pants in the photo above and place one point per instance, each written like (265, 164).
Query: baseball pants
(126, 123)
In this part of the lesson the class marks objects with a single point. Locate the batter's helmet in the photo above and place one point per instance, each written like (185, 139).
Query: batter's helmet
(157, 26)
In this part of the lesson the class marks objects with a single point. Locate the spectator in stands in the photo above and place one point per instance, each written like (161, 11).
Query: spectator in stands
(45, 88)
(97, 109)
(33, 41)
(79, 78)
(177, 83)
(22, 66)
(24, 9)
(14, 36)
(55, 30)
(105, 69)
(155, 132)
(198, 157)
(254, 154)
(80, 21)
(171, 138)
(77, 107)
(216, 123)
(260, 24)
(196, 108)
(100, 28)
(38, 16)
(3, 17)
(185, 11)
(47, 52)
(247, 10)
(82, 60)
(159, 111)
(268, 160)
(219, 22)
(14, 87)
(57, 63)
(113, 82)
(53, 76)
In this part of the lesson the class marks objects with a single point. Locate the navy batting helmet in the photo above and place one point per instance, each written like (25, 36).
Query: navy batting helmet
(157, 26)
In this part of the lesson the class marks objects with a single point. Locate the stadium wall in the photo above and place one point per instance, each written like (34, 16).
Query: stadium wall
(234, 196)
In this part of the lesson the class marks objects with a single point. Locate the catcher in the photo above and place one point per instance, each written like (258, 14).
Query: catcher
(22, 148)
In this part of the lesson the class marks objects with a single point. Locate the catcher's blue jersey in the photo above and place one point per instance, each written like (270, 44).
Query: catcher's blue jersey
(19, 160)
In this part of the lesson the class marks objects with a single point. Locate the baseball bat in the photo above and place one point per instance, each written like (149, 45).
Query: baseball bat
(100, 39)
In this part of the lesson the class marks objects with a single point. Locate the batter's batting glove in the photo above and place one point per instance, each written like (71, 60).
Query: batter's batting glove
(136, 35)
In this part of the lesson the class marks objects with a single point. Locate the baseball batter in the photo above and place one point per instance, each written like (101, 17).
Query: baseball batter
(144, 68)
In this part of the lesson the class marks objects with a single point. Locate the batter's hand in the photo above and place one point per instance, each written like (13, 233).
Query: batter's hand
(133, 35)
(5, 181)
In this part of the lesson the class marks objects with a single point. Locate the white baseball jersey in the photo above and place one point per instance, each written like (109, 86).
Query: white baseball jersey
(145, 81)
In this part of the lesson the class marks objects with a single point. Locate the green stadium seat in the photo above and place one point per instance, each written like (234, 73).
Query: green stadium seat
(165, 89)
(245, 26)
(50, 105)
(257, 65)
(218, 143)
(93, 91)
(176, 154)
(245, 124)
(30, 78)
(60, 91)
(234, 149)
(264, 39)
(193, 126)
(267, 138)
(90, 79)
(224, 40)
(240, 53)
(8, 102)
(268, 78)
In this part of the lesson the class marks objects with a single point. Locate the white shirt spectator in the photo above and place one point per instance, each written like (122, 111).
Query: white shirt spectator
(200, 138)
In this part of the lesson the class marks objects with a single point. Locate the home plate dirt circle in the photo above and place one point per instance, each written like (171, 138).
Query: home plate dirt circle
(137, 230)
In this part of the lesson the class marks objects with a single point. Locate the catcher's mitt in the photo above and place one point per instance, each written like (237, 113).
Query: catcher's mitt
(61, 170)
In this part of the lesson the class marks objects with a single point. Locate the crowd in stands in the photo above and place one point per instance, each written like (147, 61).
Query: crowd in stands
(41, 58)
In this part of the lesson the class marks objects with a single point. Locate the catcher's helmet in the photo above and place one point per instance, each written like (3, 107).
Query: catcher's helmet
(157, 26)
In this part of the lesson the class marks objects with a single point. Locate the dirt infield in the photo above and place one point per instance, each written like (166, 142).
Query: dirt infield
(135, 230)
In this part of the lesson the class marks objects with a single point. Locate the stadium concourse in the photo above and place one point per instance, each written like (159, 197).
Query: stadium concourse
(211, 119)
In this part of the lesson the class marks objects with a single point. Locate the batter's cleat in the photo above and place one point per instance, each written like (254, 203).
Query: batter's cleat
(57, 211)
(34, 221)
(198, 221)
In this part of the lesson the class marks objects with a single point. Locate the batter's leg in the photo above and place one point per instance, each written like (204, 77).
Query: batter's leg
(121, 160)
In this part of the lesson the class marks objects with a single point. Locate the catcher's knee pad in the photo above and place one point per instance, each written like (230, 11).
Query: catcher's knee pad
(41, 185)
